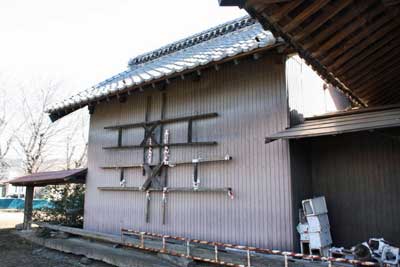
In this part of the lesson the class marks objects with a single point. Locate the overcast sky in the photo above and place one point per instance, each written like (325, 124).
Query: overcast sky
(82, 42)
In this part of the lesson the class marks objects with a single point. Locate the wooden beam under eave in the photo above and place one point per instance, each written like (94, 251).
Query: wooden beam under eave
(282, 10)
(374, 59)
(355, 28)
(358, 42)
(304, 14)
(388, 93)
(379, 92)
(328, 13)
(375, 75)
(372, 89)
(372, 44)
(312, 44)
(316, 65)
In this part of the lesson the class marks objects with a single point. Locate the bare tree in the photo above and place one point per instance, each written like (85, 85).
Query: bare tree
(34, 138)
(6, 137)
(77, 145)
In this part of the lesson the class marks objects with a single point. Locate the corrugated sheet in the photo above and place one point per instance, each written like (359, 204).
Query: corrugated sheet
(250, 103)
(333, 125)
(219, 43)
(359, 176)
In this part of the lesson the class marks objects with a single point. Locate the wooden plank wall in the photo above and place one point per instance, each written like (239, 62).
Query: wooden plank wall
(252, 102)
(359, 174)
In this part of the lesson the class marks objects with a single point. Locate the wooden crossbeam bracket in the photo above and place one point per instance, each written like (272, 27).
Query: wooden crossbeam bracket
(151, 126)
(205, 143)
(163, 121)
(227, 190)
(174, 163)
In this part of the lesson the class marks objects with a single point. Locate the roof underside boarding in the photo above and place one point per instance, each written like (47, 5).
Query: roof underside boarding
(218, 44)
(353, 44)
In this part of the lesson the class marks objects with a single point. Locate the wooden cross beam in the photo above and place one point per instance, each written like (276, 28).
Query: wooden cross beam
(152, 176)
(149, 134)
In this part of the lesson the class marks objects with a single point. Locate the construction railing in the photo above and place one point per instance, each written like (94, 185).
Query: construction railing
(217, 246)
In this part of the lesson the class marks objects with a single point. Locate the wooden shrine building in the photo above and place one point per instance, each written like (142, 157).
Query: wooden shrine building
(177, 141)
(350, 157)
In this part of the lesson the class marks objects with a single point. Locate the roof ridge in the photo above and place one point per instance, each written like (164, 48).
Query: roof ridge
(194, 39)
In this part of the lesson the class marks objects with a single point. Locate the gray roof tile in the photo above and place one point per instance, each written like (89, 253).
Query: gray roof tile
(218, 43)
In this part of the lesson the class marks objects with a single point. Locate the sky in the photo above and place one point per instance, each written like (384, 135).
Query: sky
(79, 43)
(82, 42)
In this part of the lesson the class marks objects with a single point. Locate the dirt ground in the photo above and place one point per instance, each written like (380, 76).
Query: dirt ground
(16, 252)
(10, 219)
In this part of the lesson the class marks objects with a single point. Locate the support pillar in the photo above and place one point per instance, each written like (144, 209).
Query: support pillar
(28, 207)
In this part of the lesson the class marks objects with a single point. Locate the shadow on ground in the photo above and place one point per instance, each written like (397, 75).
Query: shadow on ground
(16, 252)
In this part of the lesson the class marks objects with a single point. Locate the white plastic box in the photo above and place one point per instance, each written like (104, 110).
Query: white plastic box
(320, 239)
(318, 223)
(314, 206)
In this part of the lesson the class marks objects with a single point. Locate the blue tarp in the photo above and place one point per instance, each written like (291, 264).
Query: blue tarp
(18, 203)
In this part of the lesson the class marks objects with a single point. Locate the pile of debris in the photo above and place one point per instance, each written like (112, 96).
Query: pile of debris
(376, 249)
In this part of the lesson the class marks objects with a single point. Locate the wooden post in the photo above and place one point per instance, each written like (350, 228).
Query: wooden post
(28, 207)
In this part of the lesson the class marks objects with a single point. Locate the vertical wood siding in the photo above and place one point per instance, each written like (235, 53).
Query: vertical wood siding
(251, 101)
(359, 176)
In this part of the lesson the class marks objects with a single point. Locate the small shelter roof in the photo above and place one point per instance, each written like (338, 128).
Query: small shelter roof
(51, 178)
(343, 122)
(205, 49)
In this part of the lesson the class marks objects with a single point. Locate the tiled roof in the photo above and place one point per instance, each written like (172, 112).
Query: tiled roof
(216, 44)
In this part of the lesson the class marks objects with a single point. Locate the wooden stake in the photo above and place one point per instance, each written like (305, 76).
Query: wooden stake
(188, 248)
(147, 207)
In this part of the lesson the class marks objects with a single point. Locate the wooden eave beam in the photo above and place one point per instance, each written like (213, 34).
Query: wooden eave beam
(304, 14)
(357, 43)
(355, 57)
(372, 91)
(374, 56)
(316, 65)
(389, 94)
(327, 13)
(372, 74)
(378, 90)
(348, 31)
(280, 11)
(314, 42)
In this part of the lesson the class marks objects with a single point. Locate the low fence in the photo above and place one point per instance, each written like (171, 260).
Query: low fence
(19, 203)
